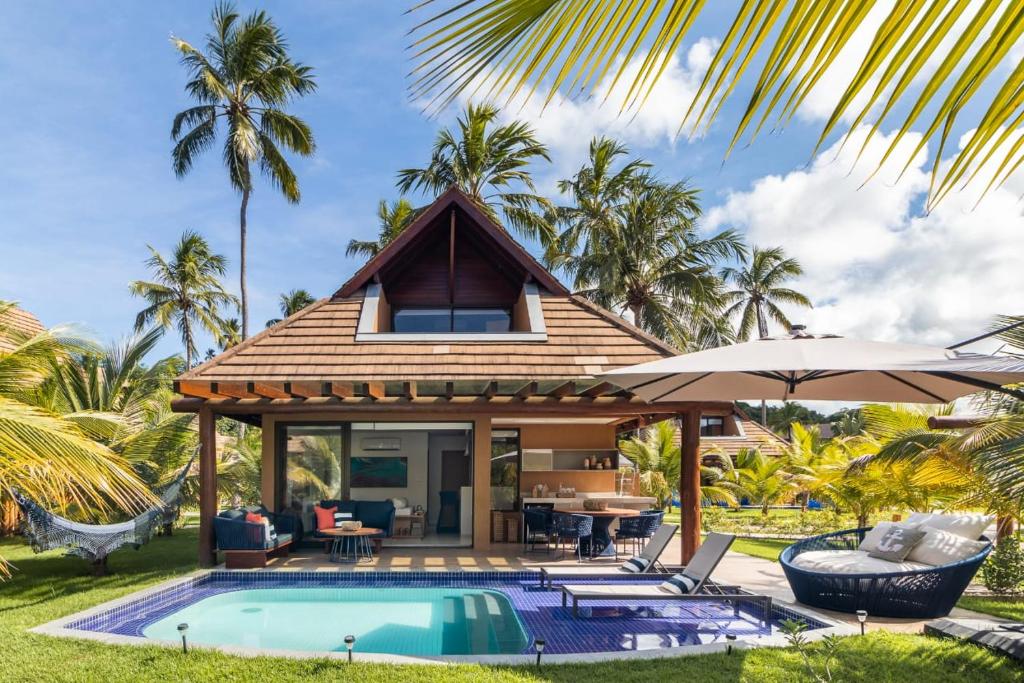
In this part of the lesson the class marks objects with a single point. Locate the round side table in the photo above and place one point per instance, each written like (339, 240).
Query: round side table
(351, 547)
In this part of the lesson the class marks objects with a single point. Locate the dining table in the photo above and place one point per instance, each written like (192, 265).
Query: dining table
(601, 539)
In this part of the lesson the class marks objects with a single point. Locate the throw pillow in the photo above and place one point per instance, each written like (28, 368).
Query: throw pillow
(254, 518)
(873, 536)
(340, 517)
(324, 517)
(896, 544)
(680, 584)
(635, 564)
(939, 547)
(970, 525)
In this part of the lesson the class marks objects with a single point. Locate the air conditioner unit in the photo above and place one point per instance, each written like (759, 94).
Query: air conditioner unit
(382, 443)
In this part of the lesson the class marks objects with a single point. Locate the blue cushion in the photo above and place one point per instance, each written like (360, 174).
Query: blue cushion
(281, 540)
(376, 513)
(236, 514)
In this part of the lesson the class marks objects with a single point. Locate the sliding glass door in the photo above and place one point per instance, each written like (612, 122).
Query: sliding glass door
(313, 466)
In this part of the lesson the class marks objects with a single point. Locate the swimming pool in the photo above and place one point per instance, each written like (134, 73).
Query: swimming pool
(452, 615)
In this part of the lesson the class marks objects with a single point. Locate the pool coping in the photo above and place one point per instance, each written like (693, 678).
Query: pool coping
(59, 628)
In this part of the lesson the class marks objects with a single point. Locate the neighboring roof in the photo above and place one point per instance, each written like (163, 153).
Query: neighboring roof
(318, 344)
(452, 196)
(20, 320)
(755, 436)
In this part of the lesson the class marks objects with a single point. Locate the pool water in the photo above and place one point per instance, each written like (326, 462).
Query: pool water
(403, 621)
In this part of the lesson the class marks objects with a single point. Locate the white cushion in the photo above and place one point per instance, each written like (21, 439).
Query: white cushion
(873, 536)
(403, 512)
(635, 564)
(969, 525)
(939, 547)
(918, 518)
(680, 584)
(852, 562)
(400, 502)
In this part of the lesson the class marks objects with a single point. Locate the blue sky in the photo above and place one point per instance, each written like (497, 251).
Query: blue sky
(86, 182)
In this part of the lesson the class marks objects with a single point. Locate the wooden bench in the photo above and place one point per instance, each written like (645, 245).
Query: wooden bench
(254, 559)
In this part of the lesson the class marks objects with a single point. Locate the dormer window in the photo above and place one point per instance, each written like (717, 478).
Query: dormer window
(460, 320)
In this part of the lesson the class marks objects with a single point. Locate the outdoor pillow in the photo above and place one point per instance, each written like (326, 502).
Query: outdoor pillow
(400, 503)
(340, 517)
(939, 547)
(324, 517)
(680, 584)
(970, 526)
(635, 565)
(918, 518)
(254, 518)
(872, 537)
(897, 543)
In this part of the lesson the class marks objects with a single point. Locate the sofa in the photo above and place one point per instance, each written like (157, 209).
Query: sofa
(379, 514)
(248, 545)
(838, 571)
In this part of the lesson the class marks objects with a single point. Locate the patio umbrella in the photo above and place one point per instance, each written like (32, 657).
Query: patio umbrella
(825, 367)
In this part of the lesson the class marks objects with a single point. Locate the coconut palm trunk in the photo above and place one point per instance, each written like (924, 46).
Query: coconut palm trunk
(242, 262)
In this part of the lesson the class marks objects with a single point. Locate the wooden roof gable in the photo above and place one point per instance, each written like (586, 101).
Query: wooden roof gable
(451, 199)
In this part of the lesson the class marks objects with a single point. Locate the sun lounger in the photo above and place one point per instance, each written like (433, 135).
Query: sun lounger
(693, 582)
(651, 552)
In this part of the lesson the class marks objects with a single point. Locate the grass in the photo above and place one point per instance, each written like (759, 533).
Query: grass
(765, 548)
(49, 586)
(1005, 607)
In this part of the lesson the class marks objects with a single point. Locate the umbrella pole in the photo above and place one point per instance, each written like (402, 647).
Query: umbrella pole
(689, 483)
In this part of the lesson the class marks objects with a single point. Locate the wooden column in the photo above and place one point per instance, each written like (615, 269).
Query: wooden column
(482, 483)
(689, 483)
(207, 485)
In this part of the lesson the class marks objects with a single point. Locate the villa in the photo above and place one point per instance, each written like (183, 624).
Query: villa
(452, 372)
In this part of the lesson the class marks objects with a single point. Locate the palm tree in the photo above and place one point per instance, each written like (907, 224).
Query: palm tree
(623, 49)
(392, 220)
(185, 293)
(45, 456)
(763, 479)
(244, 79)
(291, 303)
(489, 163)
(759, 290)
(647, 257)
(230, 334)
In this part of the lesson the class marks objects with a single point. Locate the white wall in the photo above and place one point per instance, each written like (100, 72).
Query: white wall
(414, 447)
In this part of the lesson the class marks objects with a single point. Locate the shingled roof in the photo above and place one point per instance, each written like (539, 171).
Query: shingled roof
(19, 320)
(319, 343)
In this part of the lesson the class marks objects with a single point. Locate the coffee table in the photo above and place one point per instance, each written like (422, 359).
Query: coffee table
(351, 547)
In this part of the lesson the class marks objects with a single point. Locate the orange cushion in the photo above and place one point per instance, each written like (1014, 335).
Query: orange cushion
(324, 517)
(254, 517)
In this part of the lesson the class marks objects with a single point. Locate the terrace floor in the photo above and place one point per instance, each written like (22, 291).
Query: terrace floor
(755, 574)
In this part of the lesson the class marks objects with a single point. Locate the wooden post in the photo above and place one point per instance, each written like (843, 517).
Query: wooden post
(207, 485)
(689, 483)
(482, 483)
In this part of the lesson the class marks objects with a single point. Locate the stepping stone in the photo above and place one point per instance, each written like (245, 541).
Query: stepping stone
(1006, 637)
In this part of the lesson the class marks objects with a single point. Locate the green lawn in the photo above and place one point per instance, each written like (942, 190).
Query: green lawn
(48, 586)
(766, 548)
(1007, 608)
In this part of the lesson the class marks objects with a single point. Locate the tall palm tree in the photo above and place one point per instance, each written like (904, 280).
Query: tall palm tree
(185, 293)
(391, 220)
(925, 65)
(291, 303)
(244, 80)
(647, 257)
(45, 456)
(759, 290)
(489, 162)
(763, 479)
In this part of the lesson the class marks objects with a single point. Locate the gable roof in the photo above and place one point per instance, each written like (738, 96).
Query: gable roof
(478, 218)
(19, 320)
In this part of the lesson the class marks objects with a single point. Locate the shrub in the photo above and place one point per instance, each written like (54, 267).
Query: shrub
(1003, 572)
(711, 518)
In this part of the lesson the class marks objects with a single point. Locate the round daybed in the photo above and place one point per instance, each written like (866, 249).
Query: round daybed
(884, 589)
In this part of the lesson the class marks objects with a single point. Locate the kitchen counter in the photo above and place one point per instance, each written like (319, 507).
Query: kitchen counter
(639, 502)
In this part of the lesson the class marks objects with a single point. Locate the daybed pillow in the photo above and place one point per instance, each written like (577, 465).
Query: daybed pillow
(680, 584)
(873, 536)
(918, 518)
(635, 565)
(324, 517)
(897, 543)
(970, 525)
(940, 547)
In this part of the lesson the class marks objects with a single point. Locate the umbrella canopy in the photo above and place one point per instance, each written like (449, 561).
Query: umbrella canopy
(820, 367)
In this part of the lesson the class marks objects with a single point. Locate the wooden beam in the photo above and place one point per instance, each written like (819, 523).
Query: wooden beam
(374, 390)
(689, 484)
(207, 486)
(490, 391)
(198, 389)
(528, 390)
(449, 390)
(304, 389)
(268, 390)
(232, 389)
(409, 390)
(562, 390)
(599, 389)
(338, 389)
(451, 260)
(955, 421)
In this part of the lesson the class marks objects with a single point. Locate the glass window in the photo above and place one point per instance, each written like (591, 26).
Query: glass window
(712, 426)
(482, 320)
(422, 320)
(504, 469)
(312, 468)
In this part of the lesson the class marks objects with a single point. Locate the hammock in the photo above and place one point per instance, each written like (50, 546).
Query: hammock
(46, 531)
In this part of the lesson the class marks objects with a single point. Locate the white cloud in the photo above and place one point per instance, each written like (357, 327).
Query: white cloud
(874, 266)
